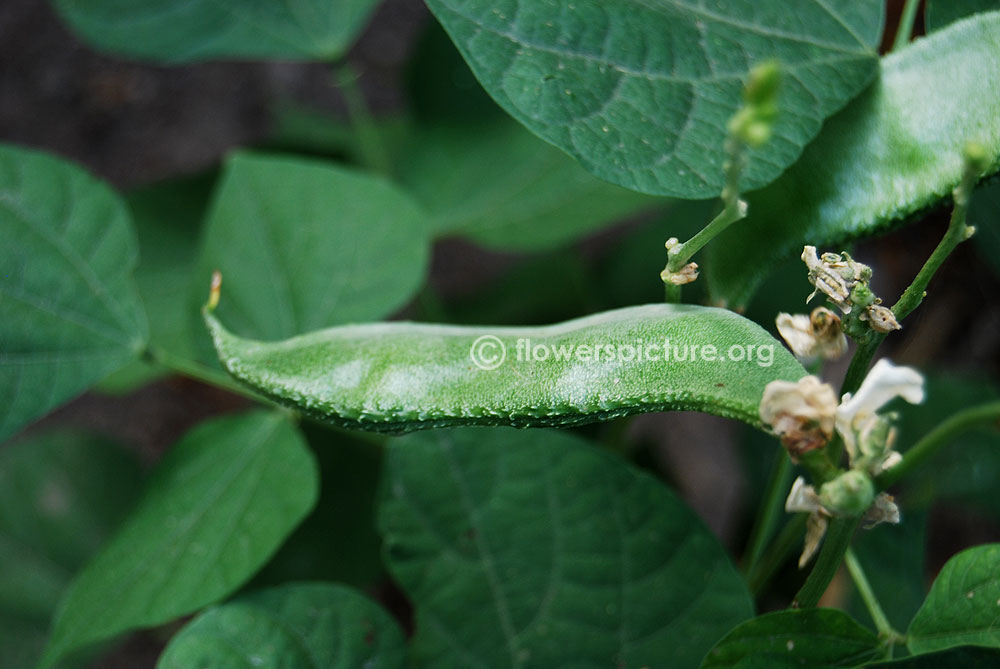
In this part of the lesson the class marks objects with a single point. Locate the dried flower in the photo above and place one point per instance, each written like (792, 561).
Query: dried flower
(802, 413)
(817, 335)
(683, 276)
(882, 510)
(835, 275)
(803, 499)
(815, 531)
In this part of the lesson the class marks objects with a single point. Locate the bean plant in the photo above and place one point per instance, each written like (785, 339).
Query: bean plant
(402, 485)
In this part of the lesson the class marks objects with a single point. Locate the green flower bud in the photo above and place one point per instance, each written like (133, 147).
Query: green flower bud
(761, 90)
(850, 494)
(977, 160)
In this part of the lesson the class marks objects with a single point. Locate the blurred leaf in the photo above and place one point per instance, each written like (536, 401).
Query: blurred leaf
(338, 541)
(197, 30)
(167, 219)
(963, 605)
(893, 559)
(69, 311)
(306, 130)
(218, 506)
(641, 93)
(939, 13)
(968, 469)
(814, 638)
(300, 625)
(535, 548)
(502, 187)
(304, 244)
(885, 158)
(61, 495)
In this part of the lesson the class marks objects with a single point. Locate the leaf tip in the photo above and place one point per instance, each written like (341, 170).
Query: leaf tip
(215, 290)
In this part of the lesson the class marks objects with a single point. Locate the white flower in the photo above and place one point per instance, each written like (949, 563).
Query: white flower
(856, 417)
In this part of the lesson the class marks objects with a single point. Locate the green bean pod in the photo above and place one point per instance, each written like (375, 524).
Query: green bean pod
(401, 376)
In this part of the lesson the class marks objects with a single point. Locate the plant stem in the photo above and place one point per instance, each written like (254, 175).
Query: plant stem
(770, 511)
(777, 553)
(733, 210)
(957, 233)
(904, 32)
(373, 151)
(672, 293)
(885, 630)
(197, 371)
(835, 545)
(942, 435)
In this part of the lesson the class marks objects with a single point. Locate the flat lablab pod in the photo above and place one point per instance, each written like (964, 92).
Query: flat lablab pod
(401, 376)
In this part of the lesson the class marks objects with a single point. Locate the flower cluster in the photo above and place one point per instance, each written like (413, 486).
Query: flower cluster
(844, 281)
(805, 414)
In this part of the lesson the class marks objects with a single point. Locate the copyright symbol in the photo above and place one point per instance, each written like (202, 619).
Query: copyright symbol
(488, 352)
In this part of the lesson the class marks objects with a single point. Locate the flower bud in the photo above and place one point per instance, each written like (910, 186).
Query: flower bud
(881, 319)
(850, 494)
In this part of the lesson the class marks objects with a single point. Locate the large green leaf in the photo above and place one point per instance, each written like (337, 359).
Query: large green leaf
(167, 219)
(501, 186)
(640, 91)
(536, 549)
(886, 157)
(963, 606)
(940, 13)
(218, 506)
(61, 494)
(402, 376)
(69, 311)
(193, 30)
(304, 244)
(814, 638)
(304, 625)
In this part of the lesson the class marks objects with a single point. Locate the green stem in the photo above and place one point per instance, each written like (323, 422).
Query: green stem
(940, 436)
(770, 511)
(672, 293)
(372, 148)
(197, 371)
(835, 545)
(957, 233)
(778, 553)
(904, 32)
(885, 630)
(733, 210)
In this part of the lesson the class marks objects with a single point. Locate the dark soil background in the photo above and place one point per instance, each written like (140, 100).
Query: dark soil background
(136, 124)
